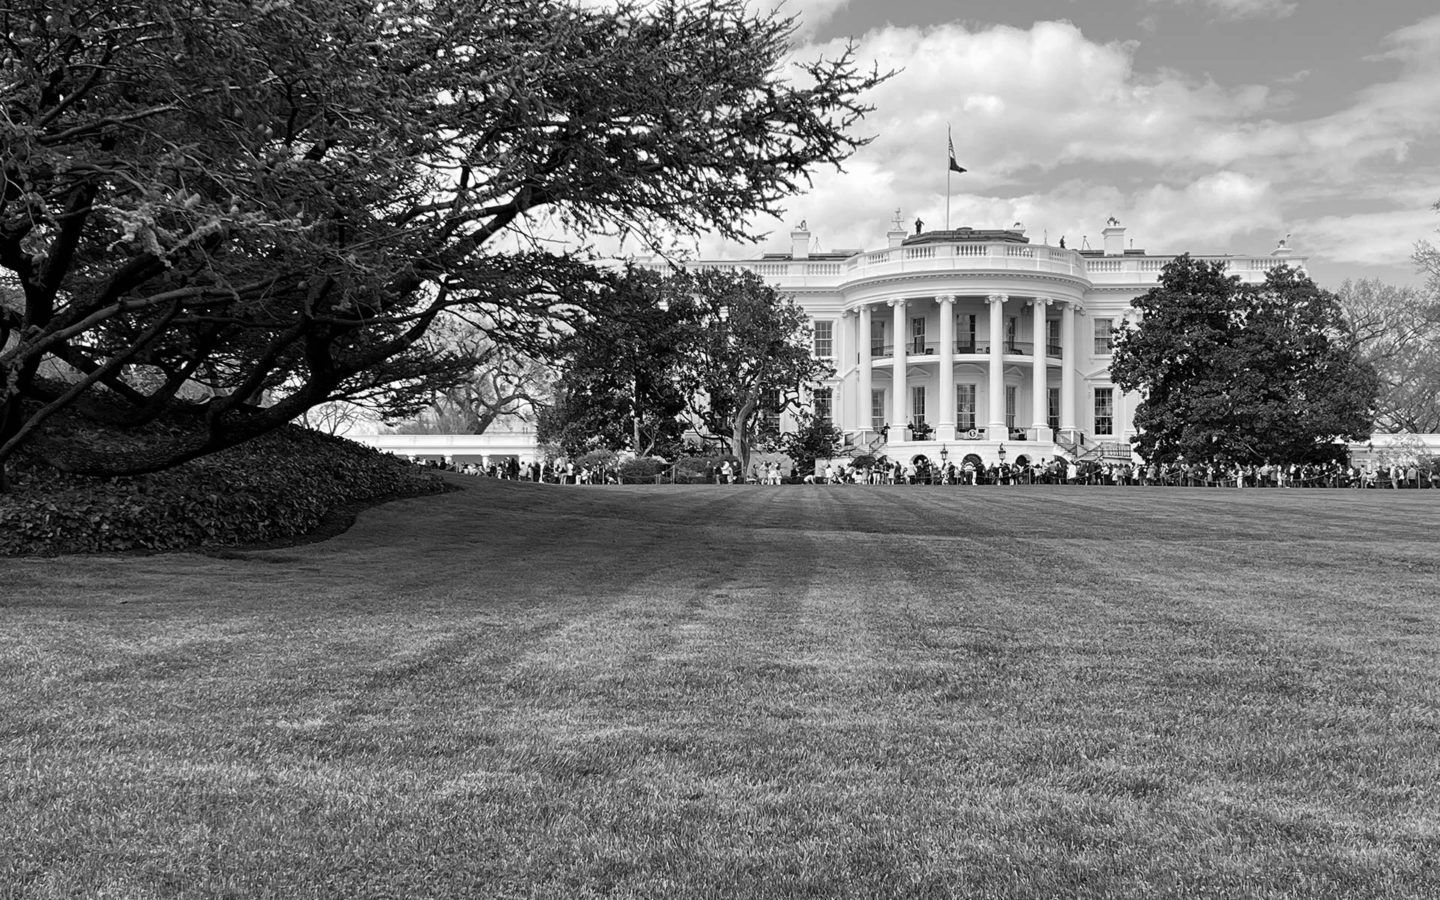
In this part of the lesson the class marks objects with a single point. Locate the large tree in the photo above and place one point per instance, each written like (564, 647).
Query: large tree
(1399, 333)
(1235, 372)
(276, 200)
(751, 358)
(717, 353)
(620, 384)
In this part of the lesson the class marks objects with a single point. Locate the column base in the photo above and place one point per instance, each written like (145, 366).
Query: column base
(1040, 433)
(944, 431)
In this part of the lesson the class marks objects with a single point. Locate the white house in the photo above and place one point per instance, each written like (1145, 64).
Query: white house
(976, 343)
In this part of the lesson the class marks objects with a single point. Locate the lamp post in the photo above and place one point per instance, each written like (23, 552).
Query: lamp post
(944, 454)
(1002, 453)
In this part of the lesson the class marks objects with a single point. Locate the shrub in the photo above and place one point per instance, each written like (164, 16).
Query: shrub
(597, 461)
(641, 470)
(697, 469)
(276, 486)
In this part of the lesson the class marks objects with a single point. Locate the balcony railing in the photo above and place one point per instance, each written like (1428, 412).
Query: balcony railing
(974, 256)
(962, 348)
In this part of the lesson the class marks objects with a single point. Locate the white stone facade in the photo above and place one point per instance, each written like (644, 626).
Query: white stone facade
(976, 343)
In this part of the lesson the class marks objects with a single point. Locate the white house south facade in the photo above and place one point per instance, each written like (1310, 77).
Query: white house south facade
(975, 346)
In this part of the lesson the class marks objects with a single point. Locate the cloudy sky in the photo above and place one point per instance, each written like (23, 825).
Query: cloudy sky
(1209, 126)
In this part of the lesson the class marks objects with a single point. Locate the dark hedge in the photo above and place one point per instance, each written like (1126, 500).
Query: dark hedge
(281, 485)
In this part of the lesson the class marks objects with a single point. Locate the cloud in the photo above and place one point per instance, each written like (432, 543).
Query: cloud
(1367, 239)
(1242, 9)
(809, 14)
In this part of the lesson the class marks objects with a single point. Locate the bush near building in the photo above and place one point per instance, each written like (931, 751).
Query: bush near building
(278, 486)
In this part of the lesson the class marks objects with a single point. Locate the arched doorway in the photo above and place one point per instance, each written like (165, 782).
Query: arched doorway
(971, 468)
(924, 471)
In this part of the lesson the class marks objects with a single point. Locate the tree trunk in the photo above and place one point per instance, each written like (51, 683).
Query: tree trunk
(740, 432)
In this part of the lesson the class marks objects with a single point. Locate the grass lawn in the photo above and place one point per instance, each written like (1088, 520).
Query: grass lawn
(522, 690)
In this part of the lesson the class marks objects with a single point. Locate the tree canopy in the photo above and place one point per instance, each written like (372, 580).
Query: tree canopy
(751, 360)
(278, 199)
(719, 354)
(1242, 373)
(621, 384)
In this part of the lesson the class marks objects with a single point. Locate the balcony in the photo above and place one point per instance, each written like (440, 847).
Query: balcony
(973, 256)
(963, 347)
(966, 255)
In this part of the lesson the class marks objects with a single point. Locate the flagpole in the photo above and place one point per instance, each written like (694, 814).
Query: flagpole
(949, 141)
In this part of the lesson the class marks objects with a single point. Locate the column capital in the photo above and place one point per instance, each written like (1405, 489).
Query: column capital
(945, 298)
(1042, 301)
(898, 301)
(997, 298)
(847, 313)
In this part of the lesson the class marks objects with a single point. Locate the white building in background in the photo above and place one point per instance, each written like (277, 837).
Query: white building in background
(975, 346)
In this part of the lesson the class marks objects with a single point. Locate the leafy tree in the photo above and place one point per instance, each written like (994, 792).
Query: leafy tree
(721, 348)
(815, 439)
(1399, 333)
(620, 383)
(277, 200)
(1242, 373)
(750, 360)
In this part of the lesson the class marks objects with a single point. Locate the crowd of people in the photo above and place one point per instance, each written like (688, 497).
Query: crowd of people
(1370, 474)
(1092, 472)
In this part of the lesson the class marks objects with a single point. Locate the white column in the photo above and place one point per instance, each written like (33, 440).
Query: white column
(844, 357)
(1067, 366)
(898, 400)
(945, 422)
(1039, 414)
(865, 382)
(997, 368)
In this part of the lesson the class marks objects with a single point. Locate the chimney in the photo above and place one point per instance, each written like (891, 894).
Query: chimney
(1114, 237)
(800, 242)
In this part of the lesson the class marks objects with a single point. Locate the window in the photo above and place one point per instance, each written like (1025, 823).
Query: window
(965, 406)
(877, 338)
(1012, 334)
(1011, 391)
(1052, 337)
(917, 407)
(877, 409)
(825, 339)
(772, 415)
(824, 398)
(917, 335)
(1054, 406)
(1104, 336)
(965, 334)
(1104, 410)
